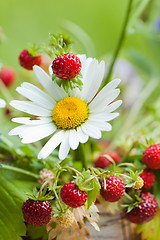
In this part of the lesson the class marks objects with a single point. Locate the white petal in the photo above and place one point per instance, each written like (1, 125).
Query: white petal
(104, 116)
(104, 92)
(101, 106)
(113, 106)
(28, 121)
(56, 92)
(101, 125)
(64, 147)
(37, 133)
(31, 108)
(73, 139)
(36, 95)
(81, 135)
(92, 79)
(91, 131)
(49, 147)
(2, 103)
(82, 58)
(50, 70)
(18, 130)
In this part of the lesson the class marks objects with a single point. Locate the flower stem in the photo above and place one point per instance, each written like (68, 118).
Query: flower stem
(83, 156)
(5, 92)
(19, 170)
(120, 42)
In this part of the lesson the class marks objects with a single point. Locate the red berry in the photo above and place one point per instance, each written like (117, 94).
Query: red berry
(66, 66)
(36, 213)
(103, 162)
(27, 61)
(72, 196)
(114, 189)
(8, 76)
(148, 178)
(144, 211)
(151, 156)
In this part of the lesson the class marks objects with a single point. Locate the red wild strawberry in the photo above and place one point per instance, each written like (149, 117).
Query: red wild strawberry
(144, 211)
(148, 178)
(72, 196)
(8, 76)
(66, 66)
(151, 156)
(27, 61)
(103, 162)
(36, 213)
(114, 189)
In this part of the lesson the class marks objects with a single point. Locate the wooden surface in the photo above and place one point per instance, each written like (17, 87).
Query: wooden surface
(113, 227)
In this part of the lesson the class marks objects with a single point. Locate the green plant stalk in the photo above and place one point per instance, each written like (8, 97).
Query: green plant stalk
(58, 200)
(83, 156)
(18, 170)
(5, 92)
(120, 42)
(75, 170)
(127, 196)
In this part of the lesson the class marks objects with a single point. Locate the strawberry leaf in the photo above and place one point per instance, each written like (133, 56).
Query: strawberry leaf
(150, 230)
(12, 189)
(92, 194)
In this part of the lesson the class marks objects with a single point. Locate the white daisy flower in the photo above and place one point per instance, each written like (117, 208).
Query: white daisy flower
(2, 103)
(70, 118)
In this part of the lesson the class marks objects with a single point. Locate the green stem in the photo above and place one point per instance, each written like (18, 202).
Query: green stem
(19, 170)
(129, 151)
(120, 42)
(89, 179)
(126, 164)
(83, 156)
(58, 200)
(5, 92)
(42, 187)
(125, 176)
(10, 144)
(127, 196)
(75, 170)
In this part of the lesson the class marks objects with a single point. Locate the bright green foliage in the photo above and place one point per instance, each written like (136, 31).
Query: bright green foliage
(12, 195)
(150, 230)
(37, 232)
(89, 184)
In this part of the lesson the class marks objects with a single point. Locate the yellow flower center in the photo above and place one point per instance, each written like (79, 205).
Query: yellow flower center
(70, 112)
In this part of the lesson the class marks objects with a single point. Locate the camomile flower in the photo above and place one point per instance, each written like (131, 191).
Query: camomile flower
(69, 118)
(2, 103)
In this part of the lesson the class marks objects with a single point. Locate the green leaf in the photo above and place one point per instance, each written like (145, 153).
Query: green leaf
(81, 181)
(37, 232)
(92, 195)
(150, 230)
(12, 189)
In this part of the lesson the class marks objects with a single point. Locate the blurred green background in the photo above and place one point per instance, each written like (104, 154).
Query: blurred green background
(31, 21)
(95, 27)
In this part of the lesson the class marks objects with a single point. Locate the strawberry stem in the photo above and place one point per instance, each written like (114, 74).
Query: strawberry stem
(88, 180)
(127, 196)
(58, 200)
(42, 187)
(75, 170)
